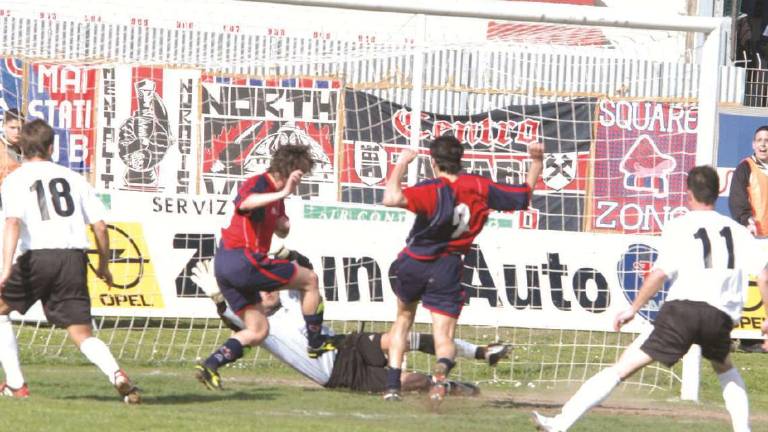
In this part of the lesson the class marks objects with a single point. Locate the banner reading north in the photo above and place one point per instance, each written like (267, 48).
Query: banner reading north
(642, 154)
(495, 144)
(65, 97)
(245, 120)
(11, 84)
(148, 129)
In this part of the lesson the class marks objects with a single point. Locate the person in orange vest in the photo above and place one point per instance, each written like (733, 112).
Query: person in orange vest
(748, 201)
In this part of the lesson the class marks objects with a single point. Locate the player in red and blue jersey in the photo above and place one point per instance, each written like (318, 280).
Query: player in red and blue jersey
(243, 267)
(451, 210)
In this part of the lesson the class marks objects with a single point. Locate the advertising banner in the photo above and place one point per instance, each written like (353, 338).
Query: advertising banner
(642, 154)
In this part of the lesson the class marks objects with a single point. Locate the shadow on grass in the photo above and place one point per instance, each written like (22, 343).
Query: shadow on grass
(264, 394)
(511, 404)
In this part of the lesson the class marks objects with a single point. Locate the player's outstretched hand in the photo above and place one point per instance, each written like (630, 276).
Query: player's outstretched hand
(622, 318)
(104, 274)
(294, 179)
(536, 151)
(406, 157)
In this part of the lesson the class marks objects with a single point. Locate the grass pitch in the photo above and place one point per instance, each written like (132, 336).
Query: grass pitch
(74, 396)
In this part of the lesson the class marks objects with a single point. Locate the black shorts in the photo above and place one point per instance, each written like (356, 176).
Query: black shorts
(681, 323)
(360, 364)
(56, 277)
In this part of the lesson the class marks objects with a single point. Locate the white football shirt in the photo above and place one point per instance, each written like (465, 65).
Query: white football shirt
(709, 257)
(54, 204)
(287, 340)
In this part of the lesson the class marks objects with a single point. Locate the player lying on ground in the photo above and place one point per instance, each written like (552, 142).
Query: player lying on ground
(47, 207)
(243, 267)
(709, 258)
(359, 361)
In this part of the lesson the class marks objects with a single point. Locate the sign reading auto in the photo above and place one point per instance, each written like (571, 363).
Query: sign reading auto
(642, 153)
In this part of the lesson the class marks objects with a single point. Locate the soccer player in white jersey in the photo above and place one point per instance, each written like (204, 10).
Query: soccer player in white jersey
(708, 257)
(359, 361)
(47, 207)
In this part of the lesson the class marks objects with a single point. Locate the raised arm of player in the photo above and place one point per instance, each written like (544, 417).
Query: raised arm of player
(256, 200)
(652, 284)
(102, 245)
(393, 195)
(536, 152)
(10, 240)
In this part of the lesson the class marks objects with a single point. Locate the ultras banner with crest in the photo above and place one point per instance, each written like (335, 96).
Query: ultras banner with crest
(642, 153)
(11, 84)
(495, 144)
(246, 119)
(65, 96)
(147, 129)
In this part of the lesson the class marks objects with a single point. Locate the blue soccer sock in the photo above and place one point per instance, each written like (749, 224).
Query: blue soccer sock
(314, 324)
(393, 378)
(227, 353)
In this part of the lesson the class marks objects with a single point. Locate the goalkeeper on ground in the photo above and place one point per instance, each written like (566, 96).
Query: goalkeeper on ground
(359, 363)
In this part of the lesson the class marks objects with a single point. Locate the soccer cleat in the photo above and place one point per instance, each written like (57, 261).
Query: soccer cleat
(458, 388)
(495, 352)
(329, 344)
(393, 395)
(437, 393)
(127, 390)
(544, 423)
(209, 377)
(19, 393)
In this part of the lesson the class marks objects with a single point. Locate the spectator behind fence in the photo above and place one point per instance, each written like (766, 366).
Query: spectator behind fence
(748, 200)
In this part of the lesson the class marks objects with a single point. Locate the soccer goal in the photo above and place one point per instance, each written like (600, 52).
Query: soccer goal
(167, 113)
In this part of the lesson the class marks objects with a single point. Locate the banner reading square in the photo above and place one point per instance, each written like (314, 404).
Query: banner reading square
(65, 97)
(11, 84)
(642, 154)
(245, 120)
(148, 125)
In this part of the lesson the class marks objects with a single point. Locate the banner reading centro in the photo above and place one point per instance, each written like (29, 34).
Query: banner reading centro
(495, 143)
(642, 153)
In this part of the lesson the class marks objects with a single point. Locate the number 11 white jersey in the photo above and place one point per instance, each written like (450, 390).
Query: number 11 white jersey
(54, 204)
(709, 257)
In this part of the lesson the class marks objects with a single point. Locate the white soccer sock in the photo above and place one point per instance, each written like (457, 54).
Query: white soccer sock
(465, 349)
(735, 397)
(9, 354)
(98, 353)
(590, 394)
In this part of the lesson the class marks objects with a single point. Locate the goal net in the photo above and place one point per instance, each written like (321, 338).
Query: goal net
(167, 114)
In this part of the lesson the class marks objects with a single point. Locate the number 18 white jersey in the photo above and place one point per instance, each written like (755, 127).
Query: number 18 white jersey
(709, 257)
(54, 204)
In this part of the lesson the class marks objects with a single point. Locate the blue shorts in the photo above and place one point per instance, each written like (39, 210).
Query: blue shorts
(242, 274)
(436, 283)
